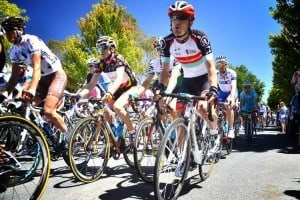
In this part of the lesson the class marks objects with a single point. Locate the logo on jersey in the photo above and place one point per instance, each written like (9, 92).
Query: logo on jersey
(162, 43)
(204, 41)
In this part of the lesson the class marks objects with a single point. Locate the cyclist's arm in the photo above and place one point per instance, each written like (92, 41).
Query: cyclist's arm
(212, 73)
(36, 73)
(146, 84)
(173, 79)
(164, 76)
(91, 85)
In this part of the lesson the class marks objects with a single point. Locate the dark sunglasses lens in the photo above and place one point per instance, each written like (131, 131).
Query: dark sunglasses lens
(180, 17)
(100, 48)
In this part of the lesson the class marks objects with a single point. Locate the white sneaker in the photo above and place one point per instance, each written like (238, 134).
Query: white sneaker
(231, 133)
(213, 132)
(216, 147)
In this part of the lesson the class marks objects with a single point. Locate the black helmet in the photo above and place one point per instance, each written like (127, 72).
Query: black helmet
(13, 23)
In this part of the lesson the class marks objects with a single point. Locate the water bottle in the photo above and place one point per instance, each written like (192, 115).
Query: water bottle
(226, 128)
(119, 130)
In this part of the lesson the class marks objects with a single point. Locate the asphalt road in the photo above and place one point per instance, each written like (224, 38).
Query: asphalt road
(267, 170)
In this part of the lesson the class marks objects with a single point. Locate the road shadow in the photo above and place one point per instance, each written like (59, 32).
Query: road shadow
(270, 139)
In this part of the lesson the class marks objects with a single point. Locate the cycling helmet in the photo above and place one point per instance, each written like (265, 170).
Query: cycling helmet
(106, 41)
(157, 43)
(92, 61)
(182, 7)
(247, 83)
(13, 23)
(221, 59)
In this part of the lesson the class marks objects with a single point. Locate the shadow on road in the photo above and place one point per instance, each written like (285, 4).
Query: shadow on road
(270, 139)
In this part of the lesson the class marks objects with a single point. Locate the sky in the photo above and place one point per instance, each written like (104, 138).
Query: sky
(237, 29)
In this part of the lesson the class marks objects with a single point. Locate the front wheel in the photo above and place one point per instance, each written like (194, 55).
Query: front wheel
(172, 162)
(25, 161)
(146, 148)
(89, 150)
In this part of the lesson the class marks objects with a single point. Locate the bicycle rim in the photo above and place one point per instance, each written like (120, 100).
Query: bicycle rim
(146, 148)
(208, 160)
(88, 150)
(172, 162)
(25, 175)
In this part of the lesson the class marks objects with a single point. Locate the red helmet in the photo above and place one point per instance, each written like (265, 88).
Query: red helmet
(182, 7)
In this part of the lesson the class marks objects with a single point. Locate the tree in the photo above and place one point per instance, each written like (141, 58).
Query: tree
(10, 9)
(285, 48)
(243, 74)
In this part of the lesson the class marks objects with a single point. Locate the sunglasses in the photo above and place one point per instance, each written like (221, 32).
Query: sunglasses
(247, 87)
(180, 17)
(91, 66)
(222, 64)
(101, 48)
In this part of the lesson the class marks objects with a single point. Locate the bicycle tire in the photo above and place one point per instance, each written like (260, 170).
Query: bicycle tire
(88, 159)
(207, 165)
(168, 184)
(29, 178)
(128, 152)
(148, 139)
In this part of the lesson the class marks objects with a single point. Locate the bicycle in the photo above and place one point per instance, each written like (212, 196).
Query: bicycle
(184, 151)
(225, 141)
(93, 142)
(249, 126)
(24, 165)
(148, 136)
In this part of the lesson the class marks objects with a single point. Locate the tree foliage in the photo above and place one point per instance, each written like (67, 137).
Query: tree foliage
(108, 18)
(10, 9)
(243, 74)
(285, 48)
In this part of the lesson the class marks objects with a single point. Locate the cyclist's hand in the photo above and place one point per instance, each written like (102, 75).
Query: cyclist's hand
(28, 95)
(212, 94)
(107, 96)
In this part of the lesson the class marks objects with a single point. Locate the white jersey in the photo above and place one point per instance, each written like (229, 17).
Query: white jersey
(155, 65)
(30, 44)
(225, 82)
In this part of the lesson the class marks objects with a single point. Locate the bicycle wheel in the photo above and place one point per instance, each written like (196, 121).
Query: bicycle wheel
(24, 161)
(205, 142)
(129, 148)
(89, 150)
(146, 147)
(172, 162)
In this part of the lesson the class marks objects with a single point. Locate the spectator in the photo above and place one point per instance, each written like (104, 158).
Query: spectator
(282, 115)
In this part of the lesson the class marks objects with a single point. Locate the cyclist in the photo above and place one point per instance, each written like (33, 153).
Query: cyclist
(192, 49)
(248, 101)
(122, 79)
(227, 89)
(154, 69)
(262, 114)
(48, 78)
(155, 65)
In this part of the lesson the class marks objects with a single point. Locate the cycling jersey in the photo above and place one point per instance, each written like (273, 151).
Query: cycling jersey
(109, 68)
(249, 100)
(191, 54)
(29, 45)
(224, 82)
(155, 66)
